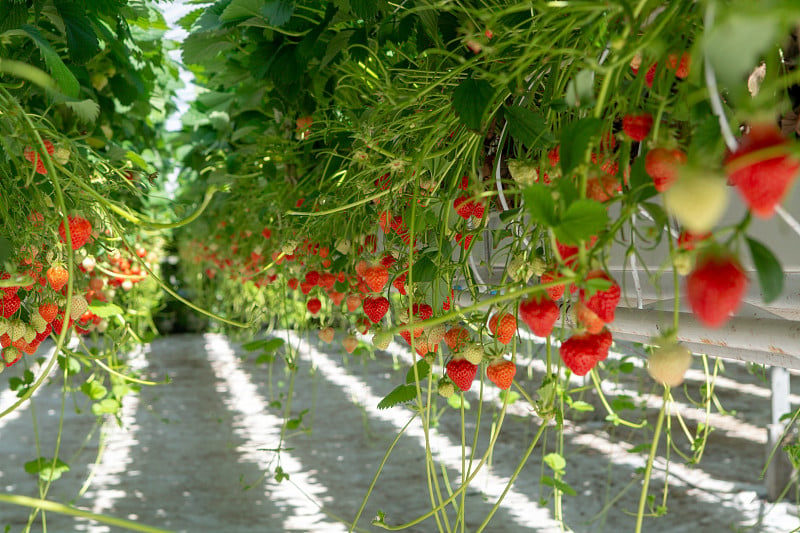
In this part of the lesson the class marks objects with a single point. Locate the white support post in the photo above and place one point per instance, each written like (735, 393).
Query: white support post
(779, 470)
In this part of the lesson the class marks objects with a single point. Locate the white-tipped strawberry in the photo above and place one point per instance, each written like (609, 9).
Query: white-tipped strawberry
(668, 364)
(77, 306)
(473, 353)
(436, 334)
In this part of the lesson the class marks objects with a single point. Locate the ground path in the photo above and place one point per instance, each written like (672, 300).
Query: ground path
(191, 456)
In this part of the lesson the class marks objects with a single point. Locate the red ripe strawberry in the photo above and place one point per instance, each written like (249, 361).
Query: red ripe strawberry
(540, 313)
(314, 305)
(456, 338)
(292, 283)
(463, 241)
(48, 311)
(305, 287)
(583, 351)
(603, 303)
(588, 318)
(688, 240)
(503, 326)
(762, 181)
(602, 188)
(336, 297)
(327, 280)
(715, 288)
(9, 305)
(501, 372)
(663, 165)
(33, 156)
(556, 291)
(637, 126)
(423, 311)
(376, 277)
(57, 276)
(464, 206)
(80, 230)
(375, 308)
(461, 372)
(554, 156)
(479, 209)
(312, 278)
(388, 260)
(680, 66)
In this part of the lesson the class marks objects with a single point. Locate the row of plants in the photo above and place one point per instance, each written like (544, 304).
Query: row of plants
(449, 172)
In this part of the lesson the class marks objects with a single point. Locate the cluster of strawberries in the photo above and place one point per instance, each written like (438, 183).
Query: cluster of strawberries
(33, 301)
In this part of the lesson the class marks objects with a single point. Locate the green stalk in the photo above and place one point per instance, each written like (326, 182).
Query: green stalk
(649, 468)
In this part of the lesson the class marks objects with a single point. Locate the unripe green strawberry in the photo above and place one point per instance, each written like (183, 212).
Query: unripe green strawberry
(668, 364)
(37, 322)
(11, 355)
(29, 334)
(4, 326)
(288, 247)
(473, 353)
(446, 388)
(78, 305)
(523, 172)
(17, 330)
(518, 269)
(538, 266)
(381, 340)
(697, 201)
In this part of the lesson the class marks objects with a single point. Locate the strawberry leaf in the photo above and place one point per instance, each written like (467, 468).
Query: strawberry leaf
(558, 484)
(575, 140)
(539, 204)
(423, 370)
(770, 273)
(401, 394)
(583, 219)
(470, 100)
(528, 127)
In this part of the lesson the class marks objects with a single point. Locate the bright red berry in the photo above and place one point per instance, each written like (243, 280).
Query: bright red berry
(456, 338)
(503, 326)
(464, 206)
(57, 276)
(681, 66)
(461, 372)
(80, 231)
(375, 308)
(663, 165)
(540, 313)
(604, 302)
(556, 291)
(637, 126)
(583, 351)
(762, 181)
(501, 372)
(314, 305)
(48, 311)
(715, 288)
(9, 304)
(33, 156)
(376, 277)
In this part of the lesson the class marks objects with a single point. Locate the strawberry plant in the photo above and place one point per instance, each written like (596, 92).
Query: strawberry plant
(455, 176)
